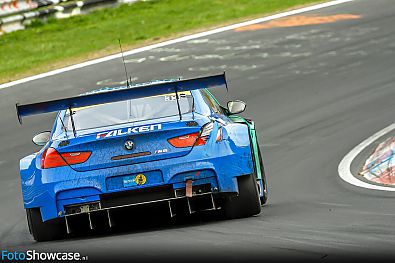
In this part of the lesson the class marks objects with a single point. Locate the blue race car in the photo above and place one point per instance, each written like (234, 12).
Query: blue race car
(168, 143)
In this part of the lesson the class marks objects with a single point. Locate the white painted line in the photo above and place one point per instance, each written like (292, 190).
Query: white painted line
(173, 41)
(344, 168)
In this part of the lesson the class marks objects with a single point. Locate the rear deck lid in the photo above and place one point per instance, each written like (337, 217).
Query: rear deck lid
(131, 144)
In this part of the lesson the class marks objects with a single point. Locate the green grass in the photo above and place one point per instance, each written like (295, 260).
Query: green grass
(57, 43)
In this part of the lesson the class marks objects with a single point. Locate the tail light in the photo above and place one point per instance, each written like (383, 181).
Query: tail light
(184, 141)
(51, 158)
(193, 139)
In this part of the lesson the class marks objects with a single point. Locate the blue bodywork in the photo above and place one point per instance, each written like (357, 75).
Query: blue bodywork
(217, 163)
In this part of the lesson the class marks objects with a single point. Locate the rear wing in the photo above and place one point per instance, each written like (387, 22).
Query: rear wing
(120, 95)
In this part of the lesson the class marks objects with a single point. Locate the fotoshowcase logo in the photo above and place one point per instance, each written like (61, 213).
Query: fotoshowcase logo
(33, 255)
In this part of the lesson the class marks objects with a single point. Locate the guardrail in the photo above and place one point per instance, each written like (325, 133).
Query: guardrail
(16, 14)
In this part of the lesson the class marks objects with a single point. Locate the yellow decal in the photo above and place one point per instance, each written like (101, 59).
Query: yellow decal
(140, 179)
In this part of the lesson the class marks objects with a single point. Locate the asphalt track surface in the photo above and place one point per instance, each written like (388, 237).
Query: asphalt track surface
(314, 91)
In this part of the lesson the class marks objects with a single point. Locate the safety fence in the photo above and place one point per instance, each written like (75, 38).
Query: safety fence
(16, 14)
(380, 166)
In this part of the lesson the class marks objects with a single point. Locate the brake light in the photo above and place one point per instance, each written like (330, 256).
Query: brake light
(184, 141)
(201, 141)
(51, 158)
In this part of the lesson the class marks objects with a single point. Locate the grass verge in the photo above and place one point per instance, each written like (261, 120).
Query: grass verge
(58, 43)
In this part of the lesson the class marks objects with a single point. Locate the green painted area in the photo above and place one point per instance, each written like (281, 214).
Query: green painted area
(46, 46)
(254, 141)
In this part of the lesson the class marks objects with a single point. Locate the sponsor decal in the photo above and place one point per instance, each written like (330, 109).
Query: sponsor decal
(129, 131)
(161, 151)
(139, 179)
(173, 96)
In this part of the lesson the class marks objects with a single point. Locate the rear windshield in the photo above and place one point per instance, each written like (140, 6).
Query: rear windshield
(129, 111)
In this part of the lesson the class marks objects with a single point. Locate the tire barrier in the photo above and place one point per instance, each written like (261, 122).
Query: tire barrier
(8, 7)
(40, 9)
(380, 166)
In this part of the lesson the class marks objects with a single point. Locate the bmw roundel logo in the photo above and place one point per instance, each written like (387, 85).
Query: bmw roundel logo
(129, 145)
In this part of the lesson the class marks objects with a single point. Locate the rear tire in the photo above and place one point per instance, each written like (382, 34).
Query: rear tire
(44, 231)
(247, 202)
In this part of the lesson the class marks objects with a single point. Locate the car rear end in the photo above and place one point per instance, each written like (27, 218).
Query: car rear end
(185, 162)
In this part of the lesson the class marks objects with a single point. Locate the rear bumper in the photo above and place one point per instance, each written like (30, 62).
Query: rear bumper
(155, 198)
(100, 215)
(55, 189)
